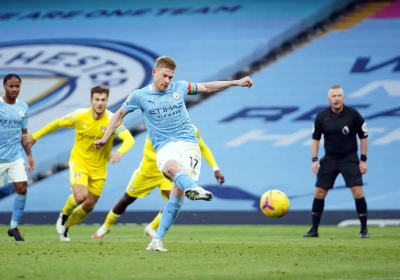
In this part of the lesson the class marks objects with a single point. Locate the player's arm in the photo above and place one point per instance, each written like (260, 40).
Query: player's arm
(316, 137)
(25, 144)
(211, 87)
(129, 106)
(113, 124)
(127, 139)
(127, 143)
(209, 157)
(362, 132)
(67, 121)
(28, 150)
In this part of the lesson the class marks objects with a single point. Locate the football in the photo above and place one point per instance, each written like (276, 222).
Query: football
(274, 204)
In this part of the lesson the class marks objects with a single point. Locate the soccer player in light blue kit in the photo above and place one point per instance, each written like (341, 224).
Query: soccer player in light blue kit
(14, 124)
(172, 135)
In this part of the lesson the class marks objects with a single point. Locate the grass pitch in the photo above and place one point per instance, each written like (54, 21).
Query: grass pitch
(203, 252)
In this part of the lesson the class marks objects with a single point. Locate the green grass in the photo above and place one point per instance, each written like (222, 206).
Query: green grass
(203, 252)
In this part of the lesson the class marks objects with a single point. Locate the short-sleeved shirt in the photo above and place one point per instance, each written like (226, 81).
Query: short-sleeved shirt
(340, 130)
(13, 118)
(165, 114)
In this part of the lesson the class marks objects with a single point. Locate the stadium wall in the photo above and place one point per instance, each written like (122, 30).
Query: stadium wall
(259, 132)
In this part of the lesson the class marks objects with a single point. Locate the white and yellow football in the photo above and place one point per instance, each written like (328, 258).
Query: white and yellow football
(274, 204)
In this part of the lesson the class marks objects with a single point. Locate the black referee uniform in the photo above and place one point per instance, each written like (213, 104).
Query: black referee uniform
(340, 132)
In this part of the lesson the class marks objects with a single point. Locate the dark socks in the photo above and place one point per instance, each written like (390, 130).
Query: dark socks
(361, 207)
(317, 209)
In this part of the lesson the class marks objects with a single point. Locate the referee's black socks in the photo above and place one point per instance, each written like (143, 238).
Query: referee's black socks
(361, 207)
(317, 209)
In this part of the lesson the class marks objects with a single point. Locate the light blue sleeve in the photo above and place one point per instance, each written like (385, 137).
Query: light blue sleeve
(131, 103)
(187, 88)
(25, 119)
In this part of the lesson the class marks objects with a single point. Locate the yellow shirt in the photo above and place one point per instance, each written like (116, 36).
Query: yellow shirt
(87, 130)
(149, 161)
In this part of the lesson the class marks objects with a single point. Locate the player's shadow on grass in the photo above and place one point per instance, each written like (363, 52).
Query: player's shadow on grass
(236, 193)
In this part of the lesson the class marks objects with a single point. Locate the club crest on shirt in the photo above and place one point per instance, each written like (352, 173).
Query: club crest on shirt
(175, 95)
(21, 114)
(103, 129)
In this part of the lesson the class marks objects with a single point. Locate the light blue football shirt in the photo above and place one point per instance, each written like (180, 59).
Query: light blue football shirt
(13, 118)
(165, 114)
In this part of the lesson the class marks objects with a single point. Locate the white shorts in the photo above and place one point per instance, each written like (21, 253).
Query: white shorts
(16, 171)
(186, 153)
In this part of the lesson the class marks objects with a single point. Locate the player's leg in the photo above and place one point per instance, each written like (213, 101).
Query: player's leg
(181, 162)
(113, 215)
(78, 196)
(353, 178)
(96, 182)
(78, 177)
(82, 211)
(17, 175)
(168, 216)
(326, 177)
(165, 191)
(138, 187)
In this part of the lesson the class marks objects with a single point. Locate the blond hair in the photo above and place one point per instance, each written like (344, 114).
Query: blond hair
(165, 62)
(99, 89)
(335, 87)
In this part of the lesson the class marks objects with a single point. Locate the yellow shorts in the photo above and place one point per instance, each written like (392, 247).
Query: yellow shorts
(94, 179)
(143, 182)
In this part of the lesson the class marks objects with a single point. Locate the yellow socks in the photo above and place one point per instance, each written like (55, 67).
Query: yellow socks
(111, 219)
(70, 205)
(76, 217)
(156, 222)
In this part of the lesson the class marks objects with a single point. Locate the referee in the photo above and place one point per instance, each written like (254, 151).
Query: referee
(340, 126)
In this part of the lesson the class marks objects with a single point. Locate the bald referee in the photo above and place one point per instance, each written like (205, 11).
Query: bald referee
(340, 126)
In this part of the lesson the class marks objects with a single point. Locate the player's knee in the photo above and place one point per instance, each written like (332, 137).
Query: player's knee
(20, 187)
(126, 200)
(88, 206)
(357, 192)
(80, 193)
(123, 203)
(80, 197)
(320, 193)
(172, 167)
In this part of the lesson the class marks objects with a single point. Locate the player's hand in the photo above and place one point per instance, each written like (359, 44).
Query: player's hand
(115, 157)
(315, 166)
(245, 82)
(31, 163)
(363, 167)
(99, 143)
(220, 178)
(27, 139)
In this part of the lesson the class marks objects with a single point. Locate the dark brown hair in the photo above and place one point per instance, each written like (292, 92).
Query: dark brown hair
(99, 89)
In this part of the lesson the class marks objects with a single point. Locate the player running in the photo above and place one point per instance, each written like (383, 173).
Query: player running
(87, 166)
(172, 135)
(13, 124)
(146, 178)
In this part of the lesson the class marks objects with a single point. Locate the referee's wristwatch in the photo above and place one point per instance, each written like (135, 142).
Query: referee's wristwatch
(314, 159)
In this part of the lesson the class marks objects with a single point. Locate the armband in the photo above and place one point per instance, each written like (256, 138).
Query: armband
(314, 159)
(363, 158)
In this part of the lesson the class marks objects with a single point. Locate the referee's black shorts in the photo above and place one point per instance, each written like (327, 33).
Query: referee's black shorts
(330, 167)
